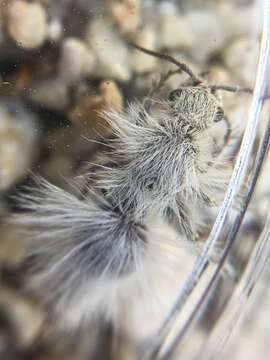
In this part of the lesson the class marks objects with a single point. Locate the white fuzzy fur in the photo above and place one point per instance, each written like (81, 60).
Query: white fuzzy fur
(167, 158)
(70, 282)
(92, 253)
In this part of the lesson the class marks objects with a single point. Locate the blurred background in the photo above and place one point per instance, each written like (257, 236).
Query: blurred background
(63, 61)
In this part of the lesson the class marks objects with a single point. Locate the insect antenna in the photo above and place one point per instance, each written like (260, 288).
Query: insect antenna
(161, 82)
(230, 88)
(182, 66)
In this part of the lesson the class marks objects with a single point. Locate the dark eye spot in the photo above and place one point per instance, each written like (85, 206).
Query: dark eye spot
(174, 95)
(219, 114)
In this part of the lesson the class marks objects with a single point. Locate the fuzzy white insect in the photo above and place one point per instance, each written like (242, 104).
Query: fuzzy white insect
(166, 159)
(88, 249)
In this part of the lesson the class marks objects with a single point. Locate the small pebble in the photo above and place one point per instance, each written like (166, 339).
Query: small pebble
(111, 95)
(140, 62)
(125, 14)
(238, 21)
(86, 114)
(175, 32)
(219, 75)
(25, 315)
(238, 56)
(199, 31)
(17, 140)
(11, 245)
(77, 61)
(207, 33)
(27, 24)
(55, 30)
(50, 93)
(110, 50)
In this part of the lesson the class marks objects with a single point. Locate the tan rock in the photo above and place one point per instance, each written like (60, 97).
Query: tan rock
(17, 139)
(77, 60)
(27, 24)
(219, 75)
(11, 245)
(25, 315)
(51, 93)
(87, 113)
(125, 14)
(208, 34)
(175, 32)
(110, 50)
(239, 57)
(239, 20)
(55, 30)
(140, 62)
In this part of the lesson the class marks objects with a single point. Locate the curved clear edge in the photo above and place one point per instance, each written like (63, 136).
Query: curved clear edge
(236, 182)
(248, 280)
(242, 295)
